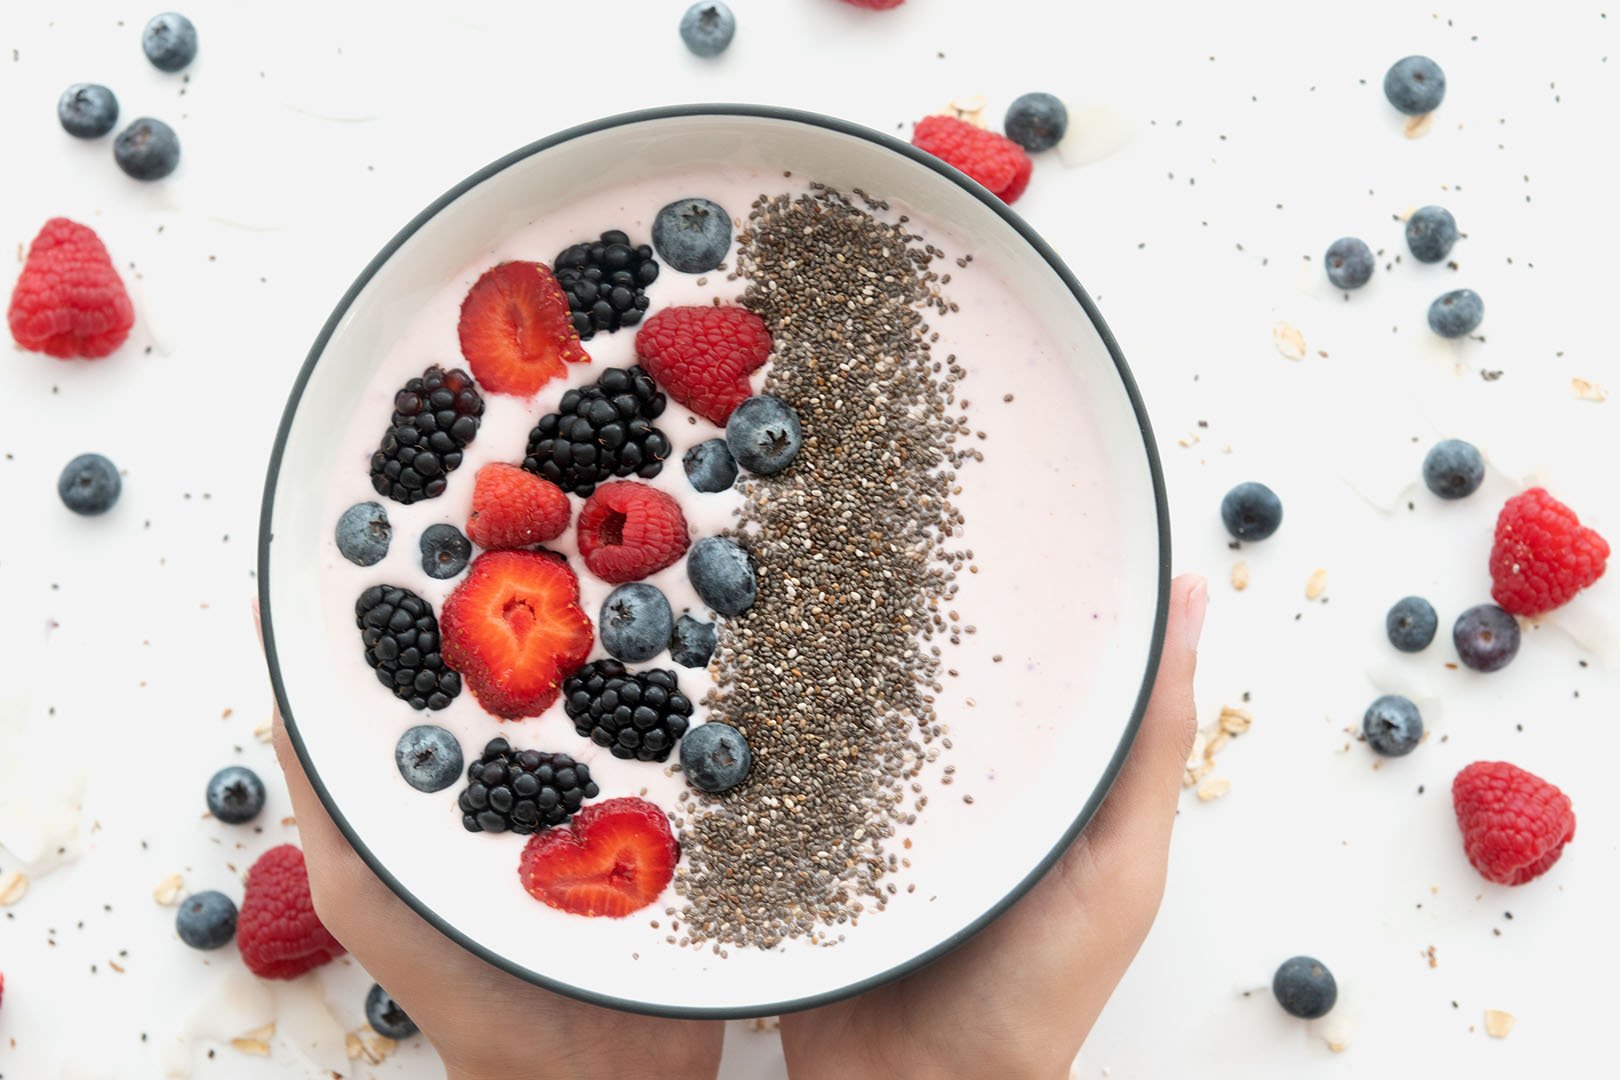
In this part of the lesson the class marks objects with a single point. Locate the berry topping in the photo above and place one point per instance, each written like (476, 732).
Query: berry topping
(444, 551)
(723, 575)
(147, 149)
(206, 920)
(429, 758)
(606, 282)
(1036, 121)
(89, 485)
(636, 622)
(169, 41)
(1411, 624)
(638, 715)
(692, 235)
(515, 509)
(1453, 469)
(692, 642)
(993, 160)
(435, 418)
(703, 355)
(629, 530)
(513, 627)
(1415, 85)
(715, 757)
(710, 466)
(1486, 637)
(1305, 988)
(87, 110)
(1251, 511)
(599, 432)
(401, 638)
(235, 795)
(1543, 555)
(615, 858)
(1393, 726)
(1430, 232)
(763, 434)
(522, 791)
(1514, 824)
(278, 932)
(707, 28)
(875, 5)
(386, 1017)
(363, 533)
(1349, 263)
(1456, 313)
(69, 301)
(515, 331)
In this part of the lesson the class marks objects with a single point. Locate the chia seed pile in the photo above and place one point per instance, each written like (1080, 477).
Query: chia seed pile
(831, 675)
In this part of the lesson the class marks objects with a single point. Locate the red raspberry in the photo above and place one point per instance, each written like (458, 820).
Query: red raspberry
(702, 356)
(993, 160)
(277, 930)
(875, 5)
(1514, 823)
(2, 985)
(512, 508)
(1543, 555)
(629, 530)
(69, 300)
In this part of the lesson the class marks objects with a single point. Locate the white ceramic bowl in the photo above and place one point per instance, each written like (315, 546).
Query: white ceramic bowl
(987, 855)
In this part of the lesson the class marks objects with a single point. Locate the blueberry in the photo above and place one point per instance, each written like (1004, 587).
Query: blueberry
(1456, 313)
(235, 795)
(715, 757)
(1251, 511)
(1486, 637)
(1392, 725)
(763, 434)
(363, 533)
(635, 622)
(1304, 987)
(169, 41)
(444, 551)
(1430, 232)
(89, 485)
(206, 920)
(710, 466)
(1415, 85)
(429, 758)
(692, 235)
(723, 575)
(1036, 121)
(1349, 263)
(386, 1017)
(87, 110)
(1453, 469)
(147, 150)
(707, 27)
(692, 643)
(1411, 624)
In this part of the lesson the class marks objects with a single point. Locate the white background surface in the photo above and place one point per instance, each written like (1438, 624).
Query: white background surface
(311, 132)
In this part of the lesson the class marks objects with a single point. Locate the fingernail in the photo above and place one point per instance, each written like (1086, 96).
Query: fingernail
(1197, 605)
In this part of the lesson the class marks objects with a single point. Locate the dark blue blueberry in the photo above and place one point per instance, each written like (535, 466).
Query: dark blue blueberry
(635, 622)
(363, 533)
(1392, 725)
(147, 150)
(1430, 232)
(723, 575)
(386, 1017)
(1349, 263)
(206, 920)
(707, 27)
(235, 795)
(1486, 637)
(169, 41)
(692, 235)
(87, 110)
(89, 485)
(1411, 624)
(763, 434)
(715, 757)
(1251, 511)
(444, 551)
(1456, 313)
(429, 758)
(1415, 85)
(1036, 121)
(693, 642)
(710, 466)
(1453, 469)
(1304, 987)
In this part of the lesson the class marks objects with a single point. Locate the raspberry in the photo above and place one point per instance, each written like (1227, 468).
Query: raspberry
(1543, 555)
(277, 931)
(993, 160)
(629, 530)
(1514, 823)
(69, 300)
(702, 356)
(515, 509)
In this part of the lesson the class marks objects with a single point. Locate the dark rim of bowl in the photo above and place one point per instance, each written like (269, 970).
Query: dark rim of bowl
(1149, 447)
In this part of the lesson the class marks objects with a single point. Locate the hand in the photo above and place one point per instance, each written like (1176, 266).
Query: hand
(1020, 997)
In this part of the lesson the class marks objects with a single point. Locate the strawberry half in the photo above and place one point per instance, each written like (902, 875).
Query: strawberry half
(515, 630)
(613, 858)
(516, 331)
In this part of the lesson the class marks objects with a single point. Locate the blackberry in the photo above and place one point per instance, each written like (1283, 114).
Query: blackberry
(522, 791)
(435, 419)
(601, 431)
(637, 715)
(606, 281)
(402, 646)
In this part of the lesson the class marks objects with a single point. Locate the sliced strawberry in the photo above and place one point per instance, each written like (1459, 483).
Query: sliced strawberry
(613, 858)
(516, 331)
(515, 509)
(515, 630)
